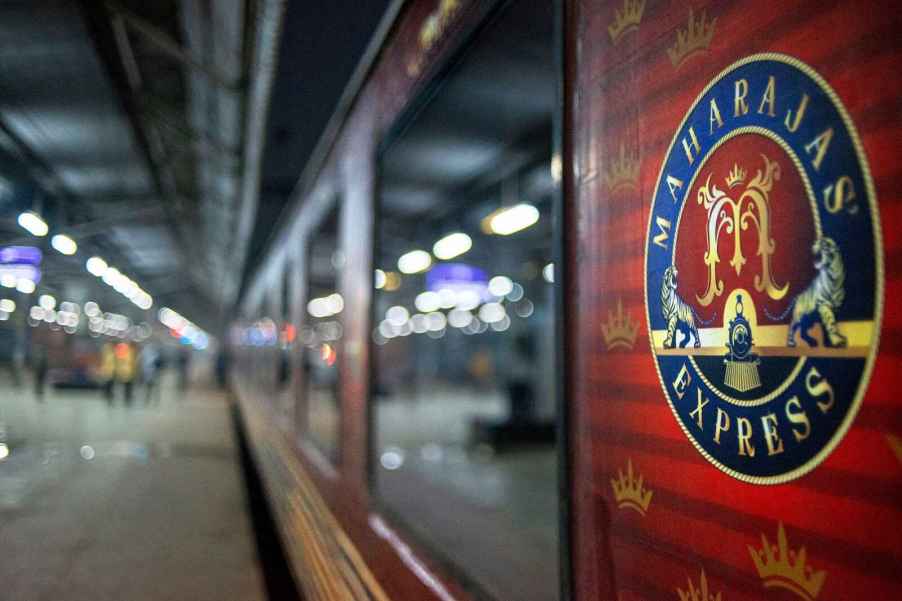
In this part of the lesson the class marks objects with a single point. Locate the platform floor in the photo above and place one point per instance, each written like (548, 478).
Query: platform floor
(124, 502)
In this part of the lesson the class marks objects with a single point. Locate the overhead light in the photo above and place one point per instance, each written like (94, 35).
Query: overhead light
(492, 312)
(379, 279)
(397, 315)
(500, 285)
(47, 302)
(510, 220)
(32, 222)
(25, 286)
(64, 244)
(130, 288)
(96, 266)
(326, 306)
(428, 301)
(144, 301)
(111, 276)
(336, 303)
(7, 280)
(459, 318)
(414, 262)
(7, 305)
(452, 245)
(548, 273)
(556, 167)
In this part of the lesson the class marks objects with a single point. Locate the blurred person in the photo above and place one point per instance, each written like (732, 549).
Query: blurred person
(39, 367)
(107, 371)
(17, 365)
(126, 368)
(520, 385)
(151, 362)
(184, 363)
(223, 362)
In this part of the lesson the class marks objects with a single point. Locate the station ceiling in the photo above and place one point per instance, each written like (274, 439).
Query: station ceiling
(128, 125)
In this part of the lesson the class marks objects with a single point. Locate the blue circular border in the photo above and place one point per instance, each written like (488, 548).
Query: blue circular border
(844, 157)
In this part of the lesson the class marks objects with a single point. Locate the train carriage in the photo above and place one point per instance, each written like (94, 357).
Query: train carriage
(592, 300)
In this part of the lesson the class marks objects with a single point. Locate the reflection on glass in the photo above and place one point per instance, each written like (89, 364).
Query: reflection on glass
(464, 341)
(321, 337)
(286, 339)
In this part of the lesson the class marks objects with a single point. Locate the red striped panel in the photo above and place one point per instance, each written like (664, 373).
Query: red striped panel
(847, 513)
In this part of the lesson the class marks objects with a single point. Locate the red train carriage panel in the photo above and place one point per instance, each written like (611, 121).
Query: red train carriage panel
(734, 431)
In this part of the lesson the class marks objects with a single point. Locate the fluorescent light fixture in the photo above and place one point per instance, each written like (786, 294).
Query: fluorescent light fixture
(326, 306)
(32, 222)
(318, 307)
(548, 273)
(47, 302)
(7, 280)
(25, 286)
(96, 266)
(7, 305)
(414, 262)
(336, 303)
(144, 301)
(64, 244)
(129, 288)
(452, 245)
(111, 276)
(171, 319)
(511, 220)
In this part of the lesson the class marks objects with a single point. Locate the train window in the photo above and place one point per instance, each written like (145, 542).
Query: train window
(321, 336)
(286, 338)
(464, 396)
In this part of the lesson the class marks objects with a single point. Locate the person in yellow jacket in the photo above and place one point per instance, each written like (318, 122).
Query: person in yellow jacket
(107, 369)
(126, 368)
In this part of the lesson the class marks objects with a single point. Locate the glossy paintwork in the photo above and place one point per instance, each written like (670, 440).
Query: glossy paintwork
(845, 512)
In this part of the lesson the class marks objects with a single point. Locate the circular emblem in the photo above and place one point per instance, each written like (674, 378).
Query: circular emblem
(763, 270)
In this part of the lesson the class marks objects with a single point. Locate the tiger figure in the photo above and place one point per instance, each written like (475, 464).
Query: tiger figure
(679, 315)
(823, 297)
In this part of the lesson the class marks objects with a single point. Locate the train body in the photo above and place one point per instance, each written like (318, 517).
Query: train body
(676, 382)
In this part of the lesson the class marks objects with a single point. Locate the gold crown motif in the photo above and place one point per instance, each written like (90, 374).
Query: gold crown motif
(696, 38)
(736, 176)
(629, 491)
(698, 594)
(627, 19)
(620, 331)
(779, 566)
(624, 171)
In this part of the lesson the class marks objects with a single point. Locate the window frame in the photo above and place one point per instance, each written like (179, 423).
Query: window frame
(334, 203)
(423, 93)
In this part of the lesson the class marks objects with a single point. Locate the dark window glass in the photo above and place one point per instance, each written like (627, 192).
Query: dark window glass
(321, 336)
(464, 339)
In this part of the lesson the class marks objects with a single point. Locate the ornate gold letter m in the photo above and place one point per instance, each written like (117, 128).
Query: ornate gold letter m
(733, 216)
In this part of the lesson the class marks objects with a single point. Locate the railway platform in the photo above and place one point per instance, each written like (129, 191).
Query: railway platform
(123, 501)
